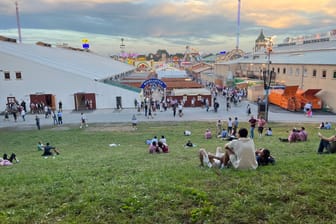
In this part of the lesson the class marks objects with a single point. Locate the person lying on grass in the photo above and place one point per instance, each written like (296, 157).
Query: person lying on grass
(5, 161)
(239, 153)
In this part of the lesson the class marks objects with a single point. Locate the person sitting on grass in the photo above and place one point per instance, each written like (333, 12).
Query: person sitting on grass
(296, 136)
(211, 160)
(269, 132)
(240, 153)
(153, 148)
(223, 134)
(327, 143)
(50, 150)
(189, 144)
(327, 125)
(292, 137)
(207, 134)
(264, 157)
(40, 146)
(163, 147)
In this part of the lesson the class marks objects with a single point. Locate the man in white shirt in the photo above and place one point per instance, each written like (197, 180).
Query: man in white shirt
(240, 153)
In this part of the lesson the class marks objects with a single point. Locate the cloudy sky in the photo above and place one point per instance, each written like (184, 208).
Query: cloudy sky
(207, 26)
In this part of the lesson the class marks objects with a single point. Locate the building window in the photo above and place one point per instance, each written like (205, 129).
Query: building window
(7, 75)
(305, 72)
(290, 71)
(278, 70)
(284, 70)
(334, 76)
(314, 73)
(297, 71)
(324, 74)
(18, 75)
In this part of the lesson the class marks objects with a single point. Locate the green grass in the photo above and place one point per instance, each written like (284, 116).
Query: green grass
(91, 182)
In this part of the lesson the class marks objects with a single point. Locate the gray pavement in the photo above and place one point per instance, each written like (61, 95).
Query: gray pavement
(107, 116)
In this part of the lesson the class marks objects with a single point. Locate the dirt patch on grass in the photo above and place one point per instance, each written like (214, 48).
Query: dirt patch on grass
(121, 128)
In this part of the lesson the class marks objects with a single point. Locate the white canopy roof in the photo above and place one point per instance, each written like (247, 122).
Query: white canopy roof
(82, 63)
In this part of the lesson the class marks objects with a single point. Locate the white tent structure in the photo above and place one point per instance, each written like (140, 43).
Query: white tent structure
(57, 74)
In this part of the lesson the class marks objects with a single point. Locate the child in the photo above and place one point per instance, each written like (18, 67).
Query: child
(134, 121)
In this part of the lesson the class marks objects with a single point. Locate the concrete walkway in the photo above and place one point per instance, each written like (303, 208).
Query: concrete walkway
(190, 114)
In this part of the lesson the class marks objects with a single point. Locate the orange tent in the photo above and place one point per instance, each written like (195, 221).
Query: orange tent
(285, 98)
(309, 96)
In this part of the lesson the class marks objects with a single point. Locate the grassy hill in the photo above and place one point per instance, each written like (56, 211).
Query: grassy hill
(91, 182)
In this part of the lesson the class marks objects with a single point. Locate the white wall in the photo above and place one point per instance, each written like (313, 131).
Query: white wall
(38, 78)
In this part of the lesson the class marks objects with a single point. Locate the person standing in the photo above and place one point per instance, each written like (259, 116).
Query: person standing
(23, 114)
(253, 123)
(60, 105)
(261, 124)
(229, 126)
(83, 121)
(235, 124)
(37, 120)
(248, 110)
(60, 117)
(134, 122)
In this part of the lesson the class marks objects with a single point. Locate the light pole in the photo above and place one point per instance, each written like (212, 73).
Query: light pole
(268, 78)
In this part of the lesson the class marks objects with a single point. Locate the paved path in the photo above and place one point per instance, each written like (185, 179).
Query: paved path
(190, 114)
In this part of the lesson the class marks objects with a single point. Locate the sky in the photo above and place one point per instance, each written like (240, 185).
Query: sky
(206, 26)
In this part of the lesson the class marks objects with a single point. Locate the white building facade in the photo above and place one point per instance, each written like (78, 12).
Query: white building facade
(33, 73)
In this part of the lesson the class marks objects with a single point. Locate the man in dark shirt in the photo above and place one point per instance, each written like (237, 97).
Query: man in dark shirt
(49, 150)
(252, 122)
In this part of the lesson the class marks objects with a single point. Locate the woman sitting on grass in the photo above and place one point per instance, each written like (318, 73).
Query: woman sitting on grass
(264, 157)
(207, 134)
(163, 147)
(153, 148)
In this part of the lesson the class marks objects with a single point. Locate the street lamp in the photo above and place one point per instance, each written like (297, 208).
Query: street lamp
(268, 78)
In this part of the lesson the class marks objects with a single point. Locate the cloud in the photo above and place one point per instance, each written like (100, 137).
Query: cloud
(207, 24)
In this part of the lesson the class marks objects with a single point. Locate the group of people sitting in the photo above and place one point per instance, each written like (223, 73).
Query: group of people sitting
(296, 135)
(239, 153)
(158, 146)
(325, 125)
(7, 161)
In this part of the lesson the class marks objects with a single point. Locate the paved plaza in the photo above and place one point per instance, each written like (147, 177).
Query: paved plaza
(107, 116)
